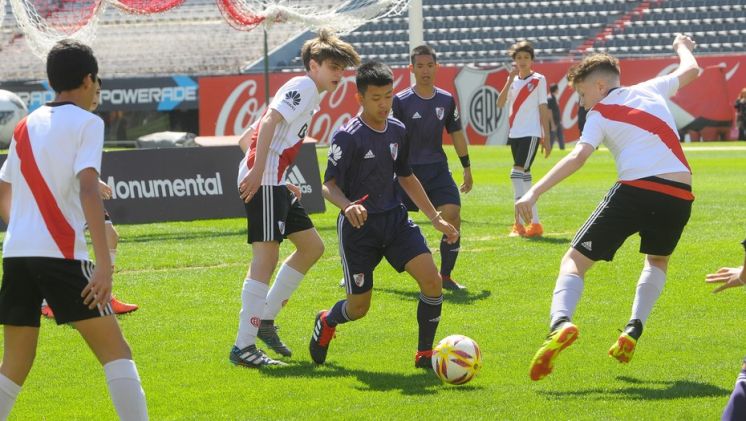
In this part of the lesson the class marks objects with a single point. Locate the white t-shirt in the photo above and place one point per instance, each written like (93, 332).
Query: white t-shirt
(297, 100)
(50, 147)
(524, 98)
(638, 128)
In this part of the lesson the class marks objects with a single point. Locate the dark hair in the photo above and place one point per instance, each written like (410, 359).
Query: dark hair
(100, 82)
(553, 88)
(598, 62)
(373, 73)
(68, 63)
(521, 46)
(327, 46)
(422, 50)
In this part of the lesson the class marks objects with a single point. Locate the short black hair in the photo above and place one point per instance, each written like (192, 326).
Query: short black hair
(422, 50)
(523, 45)
(373, 73)
(68, 63)
(553, 88)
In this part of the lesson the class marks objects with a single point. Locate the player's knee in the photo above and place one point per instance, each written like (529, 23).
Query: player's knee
(432, 286)
(358, 310)
(661, 262)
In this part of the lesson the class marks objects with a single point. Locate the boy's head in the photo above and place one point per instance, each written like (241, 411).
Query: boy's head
(522, 53)
(593, 77)
(72, 66)
(423, 64)
(325, 58)
(553, 88)
(375, 90)
(97, 98)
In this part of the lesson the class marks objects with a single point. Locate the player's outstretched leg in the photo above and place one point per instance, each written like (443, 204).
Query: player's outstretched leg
(423, 270)
(624, 347)
(561, 336)
(449, 252)
(324, 327)
(516, 178)
(736, 407)
(535, 229)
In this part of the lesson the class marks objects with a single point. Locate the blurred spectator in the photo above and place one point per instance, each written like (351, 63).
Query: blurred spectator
(741, 115)
(555, 126)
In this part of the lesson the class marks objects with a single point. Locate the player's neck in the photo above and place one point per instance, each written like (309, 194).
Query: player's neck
(315, 82)
(372, 123)
(424, 91)
(71, 96)
(524, 73)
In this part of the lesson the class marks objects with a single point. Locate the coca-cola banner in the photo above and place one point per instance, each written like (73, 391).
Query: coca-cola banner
(230, 104)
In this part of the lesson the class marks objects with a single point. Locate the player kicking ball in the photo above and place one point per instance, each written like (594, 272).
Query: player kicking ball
(366, 157)
(653, 196)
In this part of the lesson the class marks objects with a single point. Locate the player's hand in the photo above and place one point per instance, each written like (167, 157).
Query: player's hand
(104, 190)
(468, 181)
(513, 71)
(98, 290)
(295, 190)
(685, 41)
(524, 204)
(250, 184)
(356, 214)
(546, 148)
(729, 277)
(449, 230)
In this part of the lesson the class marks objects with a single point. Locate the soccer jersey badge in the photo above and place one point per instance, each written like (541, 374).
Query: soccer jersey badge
(440, 112)
(394, 150)
(359, 279)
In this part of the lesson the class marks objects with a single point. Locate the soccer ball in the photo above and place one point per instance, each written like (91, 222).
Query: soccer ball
(456, 359)
(12, 110)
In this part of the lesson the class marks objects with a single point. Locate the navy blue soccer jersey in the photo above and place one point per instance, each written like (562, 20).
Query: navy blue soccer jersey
(425, 119)
(364, 161)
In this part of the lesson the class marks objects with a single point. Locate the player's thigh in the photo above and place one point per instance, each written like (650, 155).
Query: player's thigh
(19, 351)
(665, 221)
(264, 256)
(451, 213)
(404, 240)
(360, 251)
(20, 295)
(442, 189)
(266, 214)
(104, 337)
(423, 270)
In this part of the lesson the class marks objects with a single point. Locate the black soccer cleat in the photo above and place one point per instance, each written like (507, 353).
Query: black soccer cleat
(424, 359)
(268, 334)
(320, 338)
(252, 357)
(450, 284)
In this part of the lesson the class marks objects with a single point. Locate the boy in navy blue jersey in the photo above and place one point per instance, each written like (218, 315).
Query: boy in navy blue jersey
(365, 158)
(426, 110)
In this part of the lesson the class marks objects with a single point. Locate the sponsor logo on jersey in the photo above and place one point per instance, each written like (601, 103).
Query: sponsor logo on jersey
(440, 112)
(335, 153)
(292, 98)
(394, 150)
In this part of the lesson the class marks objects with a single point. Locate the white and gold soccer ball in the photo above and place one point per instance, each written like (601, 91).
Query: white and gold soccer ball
(456, 359)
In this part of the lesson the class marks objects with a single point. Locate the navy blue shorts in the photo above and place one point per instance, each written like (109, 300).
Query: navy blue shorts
(438, 183)
(390, 234)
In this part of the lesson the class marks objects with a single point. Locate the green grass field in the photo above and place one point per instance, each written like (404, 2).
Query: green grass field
(187, 279)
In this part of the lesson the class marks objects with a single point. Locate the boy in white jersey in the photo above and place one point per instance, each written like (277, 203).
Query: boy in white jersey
(652, 197)
(529, 127)
(51, 185)
(273, 212)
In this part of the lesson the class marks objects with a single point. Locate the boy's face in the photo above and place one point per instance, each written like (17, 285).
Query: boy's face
(591, 90)
(97, 97)
(424, 69)
(328, 74)
(523, 60)
(89, 92)
(376, 102)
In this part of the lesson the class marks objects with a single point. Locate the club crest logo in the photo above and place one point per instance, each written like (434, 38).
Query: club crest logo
(440, 112)
(281, 225)
(359, 279)
(394, 150)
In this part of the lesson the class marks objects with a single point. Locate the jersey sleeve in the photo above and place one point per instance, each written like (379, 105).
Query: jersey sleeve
(396, 109)
(341, 155)
(90, 147)
(592, 131)
(453, 119)
(542, 90)
(11, 162)
(401, 165)
(293, 98)
(663, 85)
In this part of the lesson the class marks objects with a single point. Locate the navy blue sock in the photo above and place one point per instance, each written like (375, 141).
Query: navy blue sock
(448, 255)
(736, 407)
(428, 317)
(338, 314)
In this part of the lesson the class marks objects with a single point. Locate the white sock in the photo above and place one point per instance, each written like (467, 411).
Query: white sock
(649, 288)
(253, 299)
(567, 293)
(8, 394)
(516, 177)
(526, 187)
(286, 282)
(125, 390)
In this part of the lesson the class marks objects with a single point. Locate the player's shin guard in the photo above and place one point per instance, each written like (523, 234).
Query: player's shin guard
(8, 394)
(428, 317)
(286, 282)
(736, 407)
(125, 390)
(567, 293)
(649, 288)
(448, 255)
(338, 314)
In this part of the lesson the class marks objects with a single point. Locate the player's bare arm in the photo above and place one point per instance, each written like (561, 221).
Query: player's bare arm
(245, 139)
(688, 69)
(98, 292)
(253, 180)
(414, 190)
(546, 118)
(104, 190)
(5, 200)
(353, 210)
(502, 99)
(462, 150)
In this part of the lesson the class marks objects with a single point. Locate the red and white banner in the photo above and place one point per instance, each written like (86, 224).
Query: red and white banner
(229, 104)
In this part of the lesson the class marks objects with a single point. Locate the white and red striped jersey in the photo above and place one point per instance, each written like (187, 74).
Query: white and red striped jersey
(524, 98)
(638, 128)
(50, 147)
(297, 100)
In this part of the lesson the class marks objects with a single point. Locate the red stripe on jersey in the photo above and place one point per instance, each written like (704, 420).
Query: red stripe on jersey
(287, 158)
(521, 98)
(61, 231)
(254, 138)
(660, 188)
(645, 121)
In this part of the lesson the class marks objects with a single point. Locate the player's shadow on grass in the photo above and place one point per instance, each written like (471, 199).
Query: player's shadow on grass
(463, 296)
(171, 236)
(650, 390)
(419, 382)
(549, 240)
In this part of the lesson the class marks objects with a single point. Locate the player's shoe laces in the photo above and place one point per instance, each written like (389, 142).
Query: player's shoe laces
(517, 231)
(268, 334)
(624, 347)
(46, 311)
(534, 230)
(560, 338)
(450, 284)
(322, 335)
(423, 359)
(252, 357)
(122, 308)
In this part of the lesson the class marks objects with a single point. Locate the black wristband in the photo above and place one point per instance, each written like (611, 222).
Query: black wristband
(465, 161)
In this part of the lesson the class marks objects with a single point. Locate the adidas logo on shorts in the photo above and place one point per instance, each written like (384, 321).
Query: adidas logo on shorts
(587, 245)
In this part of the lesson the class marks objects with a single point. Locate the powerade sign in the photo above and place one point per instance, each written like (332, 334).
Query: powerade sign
(134, 94)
